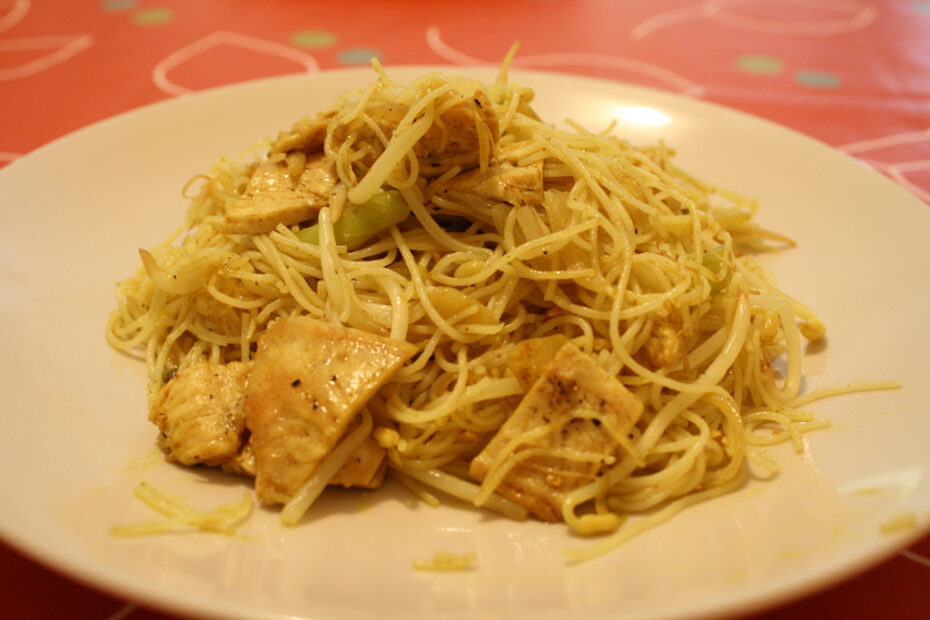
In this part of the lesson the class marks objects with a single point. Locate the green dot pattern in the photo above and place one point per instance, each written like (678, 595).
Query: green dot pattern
(314, 39)
(760, 64)
(118, 5)
(358, 55)
(818, 79)
(153, 17)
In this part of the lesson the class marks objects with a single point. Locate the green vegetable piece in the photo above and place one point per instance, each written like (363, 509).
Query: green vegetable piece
(719, 285)
(359, 223)
(712, 261)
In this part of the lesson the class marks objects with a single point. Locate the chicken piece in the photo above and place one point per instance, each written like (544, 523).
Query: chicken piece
(307, 134)
(530, 358)
(274, 197)
(505, 182)
(365, 468)
(513, 151)
(243, 462)
(665, 345)
(309, 380)
(586, 408)
(199, 413)
(457, 130)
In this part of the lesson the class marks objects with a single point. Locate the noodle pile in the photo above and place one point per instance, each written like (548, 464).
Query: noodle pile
(647, 269)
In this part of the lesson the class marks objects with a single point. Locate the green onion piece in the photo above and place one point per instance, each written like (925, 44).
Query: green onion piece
(712, 261)
(719, 285)
(359, 223)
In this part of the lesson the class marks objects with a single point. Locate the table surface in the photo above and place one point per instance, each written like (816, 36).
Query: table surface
(854, 74)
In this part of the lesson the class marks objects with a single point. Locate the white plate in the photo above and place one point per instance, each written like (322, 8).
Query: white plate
(76, 440)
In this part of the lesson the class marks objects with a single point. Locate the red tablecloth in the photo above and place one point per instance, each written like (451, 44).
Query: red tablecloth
(852, 73)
